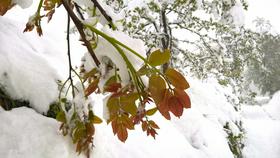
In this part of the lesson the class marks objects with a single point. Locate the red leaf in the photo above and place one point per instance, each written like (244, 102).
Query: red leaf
(163, 105)
(113, 87)
(175, 106)
(122, 133)
(114, 126)
(92, 87)
(183, 98)
(144, 126)
(153, 124)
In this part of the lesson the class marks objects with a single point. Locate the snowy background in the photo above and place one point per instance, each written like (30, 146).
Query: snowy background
(24, 133)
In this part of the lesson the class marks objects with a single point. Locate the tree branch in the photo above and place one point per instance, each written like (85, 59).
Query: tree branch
(69, 56)
(80, 28)
(103, 12)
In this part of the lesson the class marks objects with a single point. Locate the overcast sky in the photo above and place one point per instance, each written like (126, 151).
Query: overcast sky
(268, 9)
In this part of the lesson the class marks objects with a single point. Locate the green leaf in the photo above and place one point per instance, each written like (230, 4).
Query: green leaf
(91, 73)
(61, 116)
(151, 111)
(79, 132)
(144, 70)
(157, 57)
(128, 103)
(93, 118)
(63, 100)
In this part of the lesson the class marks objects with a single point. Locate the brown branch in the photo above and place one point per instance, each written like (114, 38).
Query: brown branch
(80, 28)
(103, 12)
(165, 30)
(79, 11)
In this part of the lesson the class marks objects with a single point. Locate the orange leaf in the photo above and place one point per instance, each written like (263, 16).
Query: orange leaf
(175, 106)
(163, 105)
(153, 124)
(113, 87)
(144, 126)
(183, 98)
(114, 126)
(91, 88)
(5, 5)
(122, 133)
(177, 79)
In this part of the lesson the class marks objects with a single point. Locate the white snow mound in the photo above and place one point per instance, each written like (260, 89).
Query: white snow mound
(26, 70)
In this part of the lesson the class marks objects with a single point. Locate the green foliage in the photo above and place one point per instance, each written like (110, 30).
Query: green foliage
(235, 142)
(265, 72)
(9, 103)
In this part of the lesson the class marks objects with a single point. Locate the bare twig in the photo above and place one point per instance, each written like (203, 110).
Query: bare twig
(103, 12)
(80, 27)
(69, 56)
(79, 11)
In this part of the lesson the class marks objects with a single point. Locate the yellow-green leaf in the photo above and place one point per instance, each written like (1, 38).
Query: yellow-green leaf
(61, 116)
(144, 70)
(151, 111)
(157, 57)
(91, 73)
(93, 118)
(157, 88)
(96, 120)
(177, 79)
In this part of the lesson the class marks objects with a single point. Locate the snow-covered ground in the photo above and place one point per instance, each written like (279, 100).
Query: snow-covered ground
(262, 124)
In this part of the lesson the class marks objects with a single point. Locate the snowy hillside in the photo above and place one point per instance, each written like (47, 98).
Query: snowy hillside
(262, 124)
(29, 70)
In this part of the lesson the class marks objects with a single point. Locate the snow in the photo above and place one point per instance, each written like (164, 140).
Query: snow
(105, 50)
(23, 3)
(262, 126)
(26, 68)
(27, 134)
(198, 133)
(273, 107)
(238, 14)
